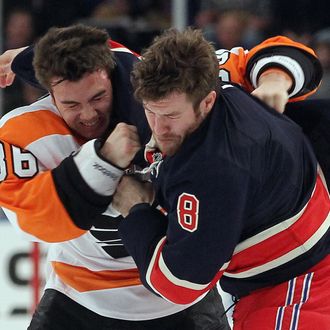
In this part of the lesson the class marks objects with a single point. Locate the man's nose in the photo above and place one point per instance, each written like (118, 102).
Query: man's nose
(88, 112)
(161, 125)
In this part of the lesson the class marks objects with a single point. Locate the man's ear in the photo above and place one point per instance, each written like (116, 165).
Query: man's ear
(208, 102)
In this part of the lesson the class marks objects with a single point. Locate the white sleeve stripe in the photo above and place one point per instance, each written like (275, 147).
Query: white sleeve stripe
(121, 49)
(290, 64)
(101, 176)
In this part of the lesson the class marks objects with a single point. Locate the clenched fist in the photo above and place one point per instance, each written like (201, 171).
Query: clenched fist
(273, 89)
(121, 145)
(130, 192)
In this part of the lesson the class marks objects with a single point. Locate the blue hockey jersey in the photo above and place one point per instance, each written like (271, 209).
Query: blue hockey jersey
(246, 203)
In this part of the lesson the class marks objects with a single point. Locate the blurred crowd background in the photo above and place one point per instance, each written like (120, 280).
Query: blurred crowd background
(227, 23)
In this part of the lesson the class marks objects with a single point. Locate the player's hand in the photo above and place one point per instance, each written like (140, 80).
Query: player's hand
(7, 76)
(130, 192)
(121, 145)
(273, 89)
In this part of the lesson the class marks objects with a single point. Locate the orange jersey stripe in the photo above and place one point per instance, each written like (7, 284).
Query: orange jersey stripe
(83, 279)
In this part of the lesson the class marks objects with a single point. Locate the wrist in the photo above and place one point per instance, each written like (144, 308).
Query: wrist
(278, 76)
(100, 175)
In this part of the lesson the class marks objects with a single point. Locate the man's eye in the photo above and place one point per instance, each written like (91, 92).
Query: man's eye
(173, 116)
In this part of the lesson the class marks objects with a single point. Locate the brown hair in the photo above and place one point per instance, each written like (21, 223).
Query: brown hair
(70, 52)
(176, 61)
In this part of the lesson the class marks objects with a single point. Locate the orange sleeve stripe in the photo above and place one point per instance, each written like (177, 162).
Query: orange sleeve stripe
(303, 97)
(35, 125)
(36, 204)
(83, 279)
(274, 42)
(38, 208)
(279, 41)
(34, 200)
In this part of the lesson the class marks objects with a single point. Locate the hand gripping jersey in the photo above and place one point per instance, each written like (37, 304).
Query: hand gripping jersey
(245, 67)
(245, 204)
(49, 196)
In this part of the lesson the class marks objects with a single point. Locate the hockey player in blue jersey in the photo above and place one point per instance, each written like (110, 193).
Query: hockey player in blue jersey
(242, 197)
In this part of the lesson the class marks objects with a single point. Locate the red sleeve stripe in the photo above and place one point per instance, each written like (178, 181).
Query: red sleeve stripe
(116, 46)
(320, 172)
(285, 241)
(171, 288)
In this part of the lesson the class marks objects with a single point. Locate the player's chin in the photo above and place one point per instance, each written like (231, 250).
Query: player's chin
(90, 133)
(169, 149)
